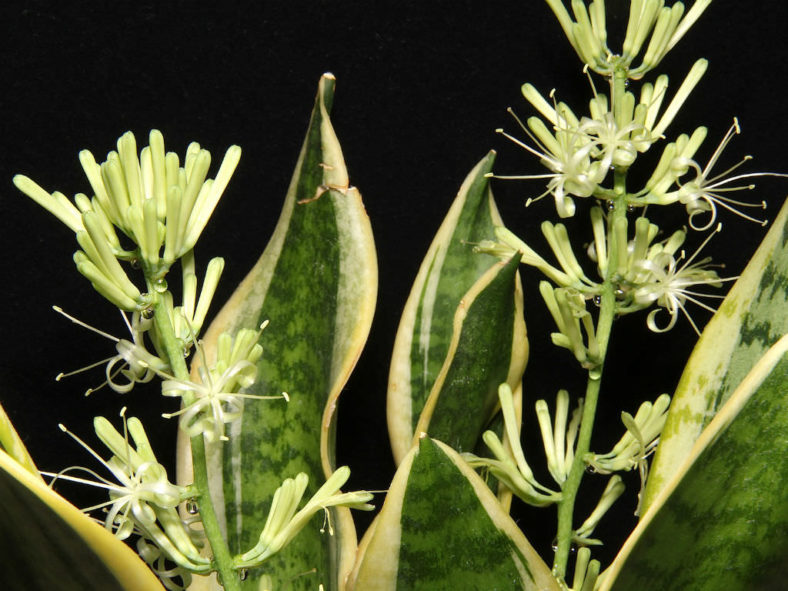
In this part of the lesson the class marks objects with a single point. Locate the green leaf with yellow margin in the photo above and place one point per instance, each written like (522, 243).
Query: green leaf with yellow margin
(50, 545)
(441, 528)
(722, 521)
(753, 316)
(316, 282)
(13, 444)
(487, 348)
(426, 353)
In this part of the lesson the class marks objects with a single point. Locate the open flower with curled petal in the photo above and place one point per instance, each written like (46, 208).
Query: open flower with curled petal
(671, 284)
(215, 400)
(133, 361)
(623, 130)
(566, 152)
(173, 577)
(142, 499)
(706, 191)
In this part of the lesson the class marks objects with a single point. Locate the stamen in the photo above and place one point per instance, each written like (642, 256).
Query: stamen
(78, 322)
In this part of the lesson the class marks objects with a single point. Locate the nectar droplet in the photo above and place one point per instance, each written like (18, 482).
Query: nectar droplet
(611, 205)
(147, 313)
(135, 263)
(243, 573)
(192, 508)
(597, 300)
(160, 285)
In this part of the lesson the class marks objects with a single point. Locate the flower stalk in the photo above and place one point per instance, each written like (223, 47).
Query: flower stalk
(607, 311)
(222, 558)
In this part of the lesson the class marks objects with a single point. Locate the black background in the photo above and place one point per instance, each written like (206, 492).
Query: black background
(420, 88)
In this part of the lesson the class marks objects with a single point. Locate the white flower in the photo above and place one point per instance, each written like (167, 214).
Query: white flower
(566, 152)
(704, 193)
(133, 361)
(671, 285)
(142, 501)
(215, 400)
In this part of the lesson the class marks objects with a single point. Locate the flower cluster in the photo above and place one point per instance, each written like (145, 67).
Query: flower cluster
(147, 212)
(587, 33)
(284, 521)
(216, 399)
(509, 464)
(559, 436)
(637, 443)
(143, 502)
(142, 499)
(142, 357)
(151, 199)
(580, 151)
(641, 271)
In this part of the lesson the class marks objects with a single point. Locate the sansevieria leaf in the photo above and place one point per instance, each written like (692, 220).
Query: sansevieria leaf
(722, 521)
(47, 544)
(13, 444)
(753, 316)
(316, 282)
(486, 349)
(441, 528)
(461, 332)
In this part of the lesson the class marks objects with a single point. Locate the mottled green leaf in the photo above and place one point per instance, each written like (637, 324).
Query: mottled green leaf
(487, 340)
(441, 528)
(316, 282)
(753, 316)
(722, 521)
(430, 328)
(47, 544)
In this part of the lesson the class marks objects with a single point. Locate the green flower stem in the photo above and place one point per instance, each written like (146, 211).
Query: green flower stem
(604, 326)
(222, 559)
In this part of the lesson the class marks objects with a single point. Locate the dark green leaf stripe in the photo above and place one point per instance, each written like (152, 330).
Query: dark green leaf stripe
(442, 529)
(465, 394)
(766, 319)
(725, 525)
(752, 317)
(316, 283)
(46, 544)
(448, 540)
